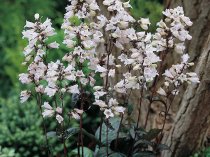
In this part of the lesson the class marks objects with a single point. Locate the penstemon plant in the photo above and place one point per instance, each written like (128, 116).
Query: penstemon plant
(106, 47)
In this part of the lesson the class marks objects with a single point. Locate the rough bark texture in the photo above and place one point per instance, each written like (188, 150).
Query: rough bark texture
(192, 120)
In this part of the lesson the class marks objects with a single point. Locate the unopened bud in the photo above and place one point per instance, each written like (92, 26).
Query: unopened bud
(92, 13)
(63, 90)
(136, 67)
(118, 66)
(166, 84)
(191, 64)
(36, 16)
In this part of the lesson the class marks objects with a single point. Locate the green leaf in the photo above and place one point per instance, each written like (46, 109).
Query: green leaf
(87, 152)
(51, 134)
(153, 133)
(117, 155)
(102, 152)
(162, 147)
(144, 154)
(132, 132)
(143, 142)
(130, 109)
(72, 131)
(112, 133)
(75, 20)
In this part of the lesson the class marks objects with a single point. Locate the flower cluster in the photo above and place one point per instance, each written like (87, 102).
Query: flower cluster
(172, 31)
(37, 34)
(122, 48)
(177, 75)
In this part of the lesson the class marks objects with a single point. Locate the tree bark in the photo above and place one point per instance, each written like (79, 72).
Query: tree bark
(192, 120)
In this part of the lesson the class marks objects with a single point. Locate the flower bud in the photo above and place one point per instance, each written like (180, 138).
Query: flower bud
(118, 66)
(166, 84)
(63, 90)
(136, 67)
(36, 16)
(92, 13)
(191, 64)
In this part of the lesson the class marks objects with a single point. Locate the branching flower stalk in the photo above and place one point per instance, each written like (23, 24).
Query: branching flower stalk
(138, 55)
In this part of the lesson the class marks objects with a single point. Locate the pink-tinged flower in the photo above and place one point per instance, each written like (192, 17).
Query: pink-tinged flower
(24, 96)
(100, 103)
(161, 91)
(54, 45)
(108, 113)
(76, 113)
(144, 23)
(100, 69)
(40, 89)
(48, 110)
(80, 73)
(59, 118)
(59, 110)
(99, 94)
(111, 73)
(24, 78)
(74, 89)
(50, 90)
(119, 109)
(127, 4)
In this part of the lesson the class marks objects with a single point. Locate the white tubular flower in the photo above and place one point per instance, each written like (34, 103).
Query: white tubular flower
(59, 118)
(97, 88)
(192, 77)
(144, 23)
(185, 58)
(119, 109)
(150, 73)
(120, 87)
(100, 103)
(111, 73)
(161, 91)
(76, 113)
(59, 110)
(74, 89)
(100, 69)
(24, 78)
(108, 113)
(113, 102)
(48, 110)
(179, 48)
(131, 33)
(54, 45)
(108, 2)
(99, 94)
(80, 73)
(51, 89)
(24, 96)
(37, 71)
(40, 89)
(127, 4)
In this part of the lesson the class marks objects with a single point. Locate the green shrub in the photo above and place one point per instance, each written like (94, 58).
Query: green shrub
(203, 153)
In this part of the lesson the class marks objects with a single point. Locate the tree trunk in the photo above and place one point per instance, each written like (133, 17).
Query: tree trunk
(192, 120)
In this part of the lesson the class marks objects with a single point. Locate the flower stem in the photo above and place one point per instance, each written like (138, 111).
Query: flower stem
(107, 140)
(118, 131)
(100, 131)
(154, 86)
(39, 103)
